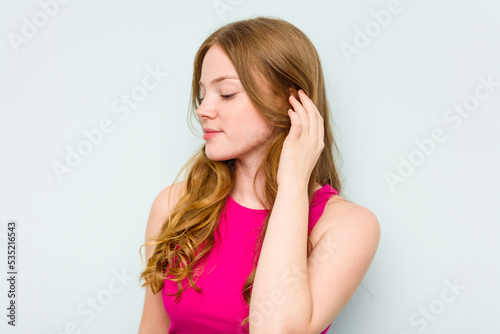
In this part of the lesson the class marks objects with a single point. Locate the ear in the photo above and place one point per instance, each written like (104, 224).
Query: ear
(294, 92)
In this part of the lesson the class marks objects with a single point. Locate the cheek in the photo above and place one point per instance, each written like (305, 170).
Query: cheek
(259, 134)
(251, 126)
(266, 128)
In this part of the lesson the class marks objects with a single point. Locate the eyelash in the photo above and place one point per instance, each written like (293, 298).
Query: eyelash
(225, 97)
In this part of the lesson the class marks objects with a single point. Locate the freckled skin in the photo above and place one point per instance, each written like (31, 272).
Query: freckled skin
(244, 129)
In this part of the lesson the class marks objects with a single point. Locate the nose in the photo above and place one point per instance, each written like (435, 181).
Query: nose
(206, 109)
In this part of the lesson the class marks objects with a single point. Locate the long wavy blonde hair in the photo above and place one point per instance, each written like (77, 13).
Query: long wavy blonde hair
(270, 56)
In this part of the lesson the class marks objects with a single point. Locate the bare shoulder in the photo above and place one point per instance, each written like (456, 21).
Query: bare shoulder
(338, 206)
(166, 199)
(169, 196)
(154, 318)
(345, 219)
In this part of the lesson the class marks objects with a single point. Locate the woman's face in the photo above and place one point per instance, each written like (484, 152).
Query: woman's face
(227, 109)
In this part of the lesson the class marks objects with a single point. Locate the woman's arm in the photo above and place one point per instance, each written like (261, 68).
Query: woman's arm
(154, 317)
(293, 293)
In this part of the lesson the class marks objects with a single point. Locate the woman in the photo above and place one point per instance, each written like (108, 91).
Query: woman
(257, 239)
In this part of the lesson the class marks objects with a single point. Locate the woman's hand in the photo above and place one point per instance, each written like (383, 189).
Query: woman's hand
(304, 143)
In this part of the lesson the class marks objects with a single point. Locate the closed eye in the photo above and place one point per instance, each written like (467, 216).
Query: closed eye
(227, 97)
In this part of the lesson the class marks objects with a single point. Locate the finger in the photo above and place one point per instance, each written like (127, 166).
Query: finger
(308, 104)
(321, 131)
(312, 113)
(301, 112)
(306, 101)
(317, 123)
(296, 125)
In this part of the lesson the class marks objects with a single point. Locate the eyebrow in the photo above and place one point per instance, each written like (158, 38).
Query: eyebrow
(219, 79)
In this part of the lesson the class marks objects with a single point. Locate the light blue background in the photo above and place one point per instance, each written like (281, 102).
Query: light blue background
(79, 233)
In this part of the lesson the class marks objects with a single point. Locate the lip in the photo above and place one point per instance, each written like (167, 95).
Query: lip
(210, 130)
(209, 133)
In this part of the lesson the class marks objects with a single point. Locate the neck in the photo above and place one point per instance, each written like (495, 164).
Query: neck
(243, 191)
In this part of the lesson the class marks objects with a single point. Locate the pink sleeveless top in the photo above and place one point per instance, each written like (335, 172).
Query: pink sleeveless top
(220, 307)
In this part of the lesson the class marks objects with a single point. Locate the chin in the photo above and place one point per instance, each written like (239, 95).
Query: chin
(217, 156)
